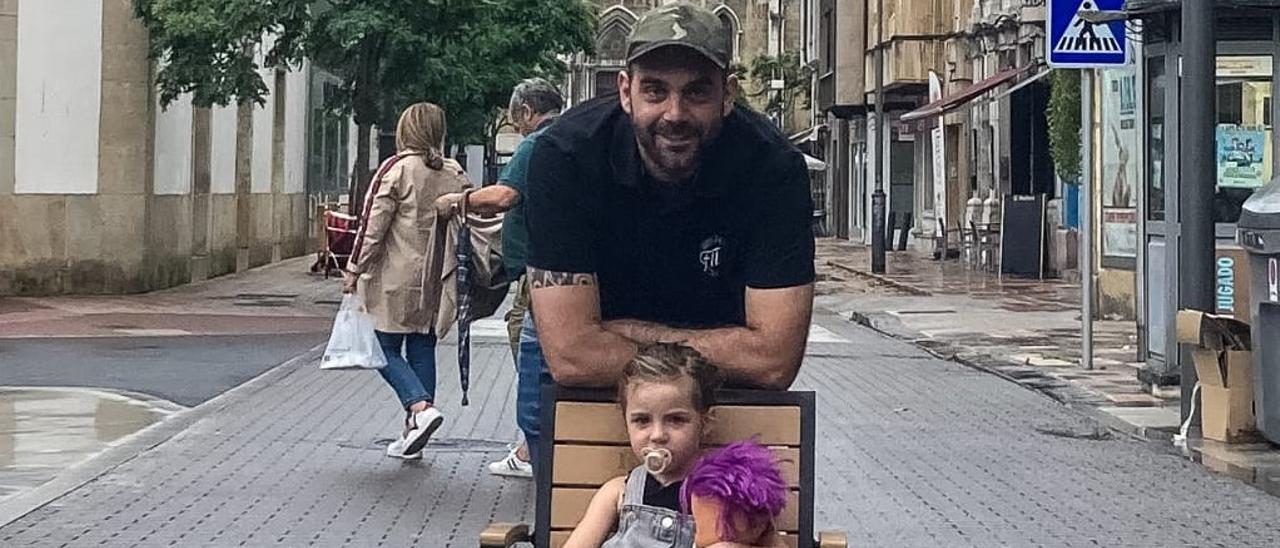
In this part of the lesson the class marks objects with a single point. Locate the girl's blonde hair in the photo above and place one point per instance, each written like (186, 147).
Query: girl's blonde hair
(667, 362)
(421, 129)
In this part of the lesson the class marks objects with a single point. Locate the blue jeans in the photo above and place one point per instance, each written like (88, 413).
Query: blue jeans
(531, 374)
(414, 379)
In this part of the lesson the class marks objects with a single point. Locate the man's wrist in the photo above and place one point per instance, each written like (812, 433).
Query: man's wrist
(644, 332)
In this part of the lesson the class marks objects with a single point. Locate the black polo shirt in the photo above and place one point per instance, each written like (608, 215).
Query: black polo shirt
(681, 255)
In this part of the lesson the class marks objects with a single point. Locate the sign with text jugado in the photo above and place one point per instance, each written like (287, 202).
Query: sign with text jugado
(1086, 33)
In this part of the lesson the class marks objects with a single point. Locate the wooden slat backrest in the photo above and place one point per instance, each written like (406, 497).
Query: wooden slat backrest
(590, 447)
(558, 538)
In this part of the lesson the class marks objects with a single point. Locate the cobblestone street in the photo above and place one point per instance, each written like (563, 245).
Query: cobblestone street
(912, 451)
(1034, 244)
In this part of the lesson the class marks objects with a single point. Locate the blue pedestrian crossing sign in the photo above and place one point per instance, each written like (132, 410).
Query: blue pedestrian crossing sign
(1082, 33)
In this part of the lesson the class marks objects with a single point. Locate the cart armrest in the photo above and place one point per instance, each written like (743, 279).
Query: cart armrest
(503, 535)
(833, 539)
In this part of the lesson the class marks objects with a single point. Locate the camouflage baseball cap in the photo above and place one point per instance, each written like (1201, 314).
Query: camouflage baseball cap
(680, 24)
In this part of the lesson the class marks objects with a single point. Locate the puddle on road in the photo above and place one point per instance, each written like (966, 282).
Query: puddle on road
(45, 431)
(1257, 464)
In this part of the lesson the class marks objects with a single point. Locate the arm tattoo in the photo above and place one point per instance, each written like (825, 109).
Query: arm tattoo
(545, 278)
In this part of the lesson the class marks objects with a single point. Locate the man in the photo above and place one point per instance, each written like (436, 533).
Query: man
(667, 214)
(535, 104)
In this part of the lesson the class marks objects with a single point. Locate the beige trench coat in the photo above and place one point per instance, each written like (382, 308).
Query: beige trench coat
(403, 248)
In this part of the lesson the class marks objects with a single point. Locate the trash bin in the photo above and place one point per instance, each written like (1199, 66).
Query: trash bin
(1258, 232)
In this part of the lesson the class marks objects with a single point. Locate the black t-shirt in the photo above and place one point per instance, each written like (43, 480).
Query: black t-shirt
(681, 255)
(655, 494)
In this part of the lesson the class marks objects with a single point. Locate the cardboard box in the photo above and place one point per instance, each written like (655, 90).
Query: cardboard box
(1224, 366)
(1212, 332)
(1225, 369)
(1226, 415)
(1226, 394)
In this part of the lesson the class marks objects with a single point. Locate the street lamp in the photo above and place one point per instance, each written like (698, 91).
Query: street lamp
(877, 196)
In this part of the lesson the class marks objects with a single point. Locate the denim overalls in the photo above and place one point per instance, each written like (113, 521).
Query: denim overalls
(641, 526)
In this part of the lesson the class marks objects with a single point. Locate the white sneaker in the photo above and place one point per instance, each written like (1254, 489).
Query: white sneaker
(512, 467)
(396, 450)
(425, 423)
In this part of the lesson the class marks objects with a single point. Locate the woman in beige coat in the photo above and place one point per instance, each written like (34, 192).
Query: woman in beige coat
(397, 264)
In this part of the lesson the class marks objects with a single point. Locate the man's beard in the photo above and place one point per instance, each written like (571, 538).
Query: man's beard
(673, 163)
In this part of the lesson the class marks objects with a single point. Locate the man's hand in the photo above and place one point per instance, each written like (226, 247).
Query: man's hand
(766, 352)
(349, 282)
(447, 205)
(492, 199)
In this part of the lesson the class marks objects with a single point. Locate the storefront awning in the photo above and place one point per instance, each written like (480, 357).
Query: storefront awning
(960, 98)
(814, 164)
(1022, 84)
(807, 135)
(1139, 7)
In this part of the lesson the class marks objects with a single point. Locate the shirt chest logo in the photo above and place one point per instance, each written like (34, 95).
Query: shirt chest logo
(711, 255)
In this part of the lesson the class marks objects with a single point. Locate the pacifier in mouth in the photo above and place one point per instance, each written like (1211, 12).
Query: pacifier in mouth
(656, 460)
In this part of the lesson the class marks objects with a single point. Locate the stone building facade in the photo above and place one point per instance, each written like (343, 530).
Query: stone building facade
(104, 191)
(758, 27)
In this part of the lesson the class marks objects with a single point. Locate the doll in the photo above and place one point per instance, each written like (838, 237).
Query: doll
(734, 494)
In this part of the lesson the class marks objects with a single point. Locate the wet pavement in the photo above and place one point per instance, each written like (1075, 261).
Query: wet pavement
(1257, 464)
(280, 298)
(913, 451)
(186, 370)
(45, 431)
(1026, 330)
(79, 374)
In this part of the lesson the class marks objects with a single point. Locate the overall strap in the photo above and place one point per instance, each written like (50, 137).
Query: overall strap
(634, 493)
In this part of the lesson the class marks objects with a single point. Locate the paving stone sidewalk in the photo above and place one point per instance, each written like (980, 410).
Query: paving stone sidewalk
(912, 451)
(280, 297)
(1025, 330)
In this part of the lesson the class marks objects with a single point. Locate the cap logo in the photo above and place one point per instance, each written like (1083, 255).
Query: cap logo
(678, 32)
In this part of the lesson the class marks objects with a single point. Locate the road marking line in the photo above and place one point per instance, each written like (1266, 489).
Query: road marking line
(819, 334)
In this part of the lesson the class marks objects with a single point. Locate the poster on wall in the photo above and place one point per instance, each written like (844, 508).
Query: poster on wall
(1120, 232)
(939, 155)
(1240, 156)
(1119, 140)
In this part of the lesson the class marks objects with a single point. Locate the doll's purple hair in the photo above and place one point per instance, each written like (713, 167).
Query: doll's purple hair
(744, 477)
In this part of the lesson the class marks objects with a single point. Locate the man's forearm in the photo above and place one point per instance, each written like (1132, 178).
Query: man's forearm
(596, 358)
(578, 353)
(742, 354)
(492, 199)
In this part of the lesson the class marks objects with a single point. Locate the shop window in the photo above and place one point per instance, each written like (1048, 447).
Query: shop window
(1030, 166)
(328, 140)
(1243, 135)
(828, 38)
(1157, 85)
(1249, 28)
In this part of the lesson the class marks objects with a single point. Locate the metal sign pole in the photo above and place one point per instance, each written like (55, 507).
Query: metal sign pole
(1087, 36)
(1086, 219)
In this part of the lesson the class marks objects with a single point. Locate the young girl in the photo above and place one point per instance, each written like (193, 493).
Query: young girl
(666, 394)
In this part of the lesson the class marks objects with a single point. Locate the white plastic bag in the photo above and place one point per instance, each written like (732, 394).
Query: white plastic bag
(353, 344)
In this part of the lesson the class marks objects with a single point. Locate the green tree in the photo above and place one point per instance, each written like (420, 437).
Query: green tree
(207, 47)
(795, 76)
(1064, 123)
(462, 54)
